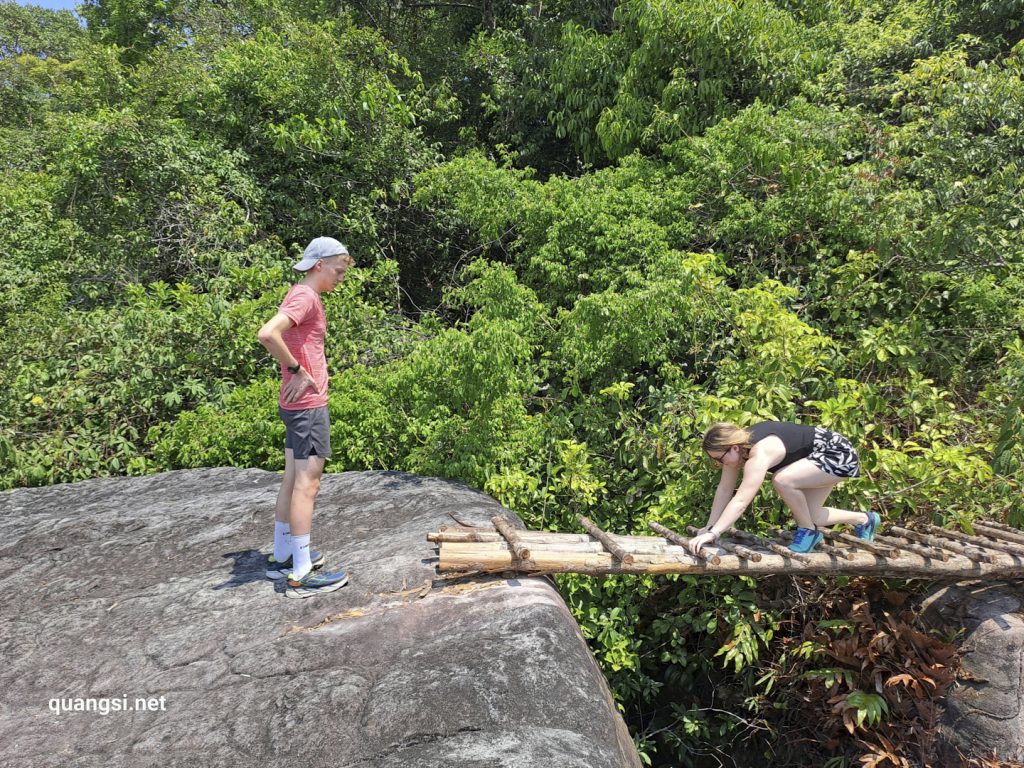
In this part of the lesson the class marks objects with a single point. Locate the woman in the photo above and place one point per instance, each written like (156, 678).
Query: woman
(806, 464)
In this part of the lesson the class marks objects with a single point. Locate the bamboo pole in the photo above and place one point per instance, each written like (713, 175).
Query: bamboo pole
(969, 550)
(1001, 526)
(896, 545)
(531, 538)
(940, 552)
(656, 546)
(766, 544)
(708, 557)
(966, 545)
(909, 546)
(827, 548)
(590, 563)
(879, 549)
(925, 550)
(907, 565)
(475, 534)
(569, 542)
(512, 537)
(620, 554)
(728, 546)
(985, 540)
(1011, 549)
(1014, 537)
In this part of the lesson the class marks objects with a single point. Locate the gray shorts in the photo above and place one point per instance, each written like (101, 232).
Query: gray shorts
(308, 432)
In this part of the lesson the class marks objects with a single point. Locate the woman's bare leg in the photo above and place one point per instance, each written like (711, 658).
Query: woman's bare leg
(829, 516)
(805, 487)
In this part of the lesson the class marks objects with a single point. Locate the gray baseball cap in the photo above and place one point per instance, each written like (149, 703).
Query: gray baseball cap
(319, 248)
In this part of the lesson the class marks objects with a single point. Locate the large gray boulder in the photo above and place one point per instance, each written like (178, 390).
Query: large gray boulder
(153, 588)
(984, 712)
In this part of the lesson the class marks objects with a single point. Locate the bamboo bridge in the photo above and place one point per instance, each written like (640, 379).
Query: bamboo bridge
(994, 550)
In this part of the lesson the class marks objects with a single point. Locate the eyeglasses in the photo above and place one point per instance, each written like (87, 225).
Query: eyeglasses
(717, 460)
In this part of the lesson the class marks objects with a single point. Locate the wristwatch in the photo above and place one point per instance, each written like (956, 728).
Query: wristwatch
(293, 369)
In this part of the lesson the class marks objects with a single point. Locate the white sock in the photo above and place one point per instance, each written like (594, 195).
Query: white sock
(282, 541)
(301, 564)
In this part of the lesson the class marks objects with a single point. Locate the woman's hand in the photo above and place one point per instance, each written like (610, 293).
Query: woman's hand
(698, 541)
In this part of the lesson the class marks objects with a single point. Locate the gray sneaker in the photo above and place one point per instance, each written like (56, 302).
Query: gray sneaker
(315, 584)
(279, 570)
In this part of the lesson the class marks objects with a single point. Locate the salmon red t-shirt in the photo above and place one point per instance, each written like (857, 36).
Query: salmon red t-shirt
(305, 340)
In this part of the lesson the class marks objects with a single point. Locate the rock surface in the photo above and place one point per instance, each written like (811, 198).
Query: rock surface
(984, 711)
(130, 588)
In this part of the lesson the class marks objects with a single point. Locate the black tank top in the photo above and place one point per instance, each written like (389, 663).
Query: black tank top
(798, 439)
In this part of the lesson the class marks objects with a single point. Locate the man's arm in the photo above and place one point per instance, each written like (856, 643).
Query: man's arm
(270, 336)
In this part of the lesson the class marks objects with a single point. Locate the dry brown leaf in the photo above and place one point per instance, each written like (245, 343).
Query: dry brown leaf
(908, 680)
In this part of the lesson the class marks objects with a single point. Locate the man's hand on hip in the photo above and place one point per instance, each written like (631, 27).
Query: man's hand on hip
(298, 384)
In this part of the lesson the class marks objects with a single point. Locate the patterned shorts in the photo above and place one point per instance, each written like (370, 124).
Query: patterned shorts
(834, 454)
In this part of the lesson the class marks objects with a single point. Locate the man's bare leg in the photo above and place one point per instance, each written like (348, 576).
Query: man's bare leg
(283, 509)
(307, 484)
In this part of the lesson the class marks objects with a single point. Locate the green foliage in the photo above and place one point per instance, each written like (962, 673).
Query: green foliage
(510, 99)
(477, 193)
(328, 113)
(30, 30)
(134, 25)
(583, 82)
(172, 206)
(868, 708)
(86, 412)
(649, 320)
(674, 68)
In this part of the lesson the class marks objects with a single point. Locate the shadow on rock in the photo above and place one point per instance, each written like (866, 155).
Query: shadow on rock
(249, 565)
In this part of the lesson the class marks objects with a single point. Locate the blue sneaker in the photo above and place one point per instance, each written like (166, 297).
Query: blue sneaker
(278, 570)
(806, 539)
(318, 583)
(866, 531)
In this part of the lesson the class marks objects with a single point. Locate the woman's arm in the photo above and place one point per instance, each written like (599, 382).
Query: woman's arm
(754, 471)
(726, 488)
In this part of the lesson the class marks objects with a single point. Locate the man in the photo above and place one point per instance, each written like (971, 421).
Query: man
(295, 338)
